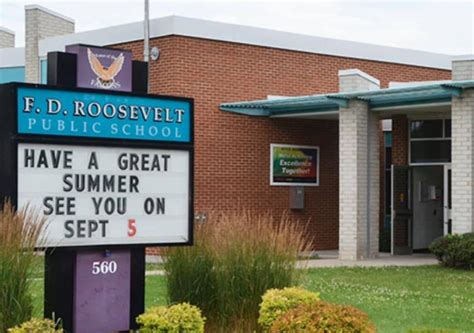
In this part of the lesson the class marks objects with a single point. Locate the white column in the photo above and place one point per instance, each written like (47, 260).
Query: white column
(41, 23)
(462, 153)
(359, 192)
(7, 38)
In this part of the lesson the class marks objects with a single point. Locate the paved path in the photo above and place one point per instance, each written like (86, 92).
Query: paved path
(381, 261)
(331, 260)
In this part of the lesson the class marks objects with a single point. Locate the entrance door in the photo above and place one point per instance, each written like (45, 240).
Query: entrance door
(447, 200)
(402, 240)
(428, 211)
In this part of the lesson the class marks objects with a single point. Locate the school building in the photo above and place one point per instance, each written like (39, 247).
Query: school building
(377, 142)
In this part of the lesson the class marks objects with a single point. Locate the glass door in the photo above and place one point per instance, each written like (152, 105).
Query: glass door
(402, 229)
(447, 200)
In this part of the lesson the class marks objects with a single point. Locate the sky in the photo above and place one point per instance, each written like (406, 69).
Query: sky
(435, 26)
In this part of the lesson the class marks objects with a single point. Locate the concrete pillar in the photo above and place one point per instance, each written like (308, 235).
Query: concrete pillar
(7, 38)
(462, 153)
(41, 23)
(359, 177)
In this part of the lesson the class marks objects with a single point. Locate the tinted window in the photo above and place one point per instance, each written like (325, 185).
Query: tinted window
(388, 158)
(426, 129)
(431, 151)
(447, 128)
(388, 192)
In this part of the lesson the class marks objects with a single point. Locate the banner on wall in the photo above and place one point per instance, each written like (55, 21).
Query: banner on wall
(292, 165)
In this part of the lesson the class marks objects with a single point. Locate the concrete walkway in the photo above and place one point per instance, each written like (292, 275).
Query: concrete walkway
(330, 259)
(382, 261)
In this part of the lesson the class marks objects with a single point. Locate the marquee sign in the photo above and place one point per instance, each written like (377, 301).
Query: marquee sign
(112, 172)
(292, 165)
(103, 168)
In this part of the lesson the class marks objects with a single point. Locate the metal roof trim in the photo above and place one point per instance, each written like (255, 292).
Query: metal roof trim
(333, 101)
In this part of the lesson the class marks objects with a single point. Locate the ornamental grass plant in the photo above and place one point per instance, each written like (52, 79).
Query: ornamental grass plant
(20, 232)
(236, 257)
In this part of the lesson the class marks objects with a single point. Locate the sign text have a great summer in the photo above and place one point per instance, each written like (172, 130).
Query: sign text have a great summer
(106, 195)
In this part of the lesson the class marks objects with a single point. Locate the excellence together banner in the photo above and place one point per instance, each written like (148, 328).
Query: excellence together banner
(294, 165)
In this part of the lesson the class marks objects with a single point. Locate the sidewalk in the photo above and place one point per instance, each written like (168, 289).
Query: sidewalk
(330, 259)
(383, 260)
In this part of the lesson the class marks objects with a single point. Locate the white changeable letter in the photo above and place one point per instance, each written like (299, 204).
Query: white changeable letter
(29, 101)
(54, 106)
(31, 123)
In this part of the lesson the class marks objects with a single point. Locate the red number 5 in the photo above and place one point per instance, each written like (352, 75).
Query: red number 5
(132, 229)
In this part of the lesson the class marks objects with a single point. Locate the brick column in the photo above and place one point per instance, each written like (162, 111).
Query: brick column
(400, 140)
(358, 171)
(41, 23)
(462, 153)
(7, 38)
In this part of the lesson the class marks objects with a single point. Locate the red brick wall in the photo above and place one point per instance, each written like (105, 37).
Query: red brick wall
(400, 140)
(232, 151)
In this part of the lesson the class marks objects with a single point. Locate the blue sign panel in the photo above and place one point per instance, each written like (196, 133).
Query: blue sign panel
(86, 114)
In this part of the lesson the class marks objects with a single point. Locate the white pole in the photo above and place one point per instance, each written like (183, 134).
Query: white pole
(146, 40)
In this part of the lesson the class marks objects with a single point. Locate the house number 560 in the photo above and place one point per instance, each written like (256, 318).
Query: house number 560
(104, 267)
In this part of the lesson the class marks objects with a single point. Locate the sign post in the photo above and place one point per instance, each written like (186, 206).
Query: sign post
(111, 170)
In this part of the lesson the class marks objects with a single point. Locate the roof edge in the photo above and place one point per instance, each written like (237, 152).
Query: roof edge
(464, 57)
(355, 71)
(11, 32)
(12, 57)
(49, 11)
(227, 32)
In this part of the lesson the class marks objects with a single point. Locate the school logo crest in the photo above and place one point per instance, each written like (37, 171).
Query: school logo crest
(105, 75)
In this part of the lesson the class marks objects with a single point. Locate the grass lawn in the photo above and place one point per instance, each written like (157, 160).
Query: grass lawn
(396, 299)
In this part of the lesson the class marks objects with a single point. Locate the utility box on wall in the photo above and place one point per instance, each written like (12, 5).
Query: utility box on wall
(296, 197)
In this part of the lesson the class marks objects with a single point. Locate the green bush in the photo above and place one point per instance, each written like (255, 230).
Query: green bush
(321, 317)
(19, 233)
(179, 318)
(36, 325)
(235, 259)
(276, 302)
(455, 250)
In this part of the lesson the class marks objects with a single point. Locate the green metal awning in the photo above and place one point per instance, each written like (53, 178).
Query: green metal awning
(329, 103)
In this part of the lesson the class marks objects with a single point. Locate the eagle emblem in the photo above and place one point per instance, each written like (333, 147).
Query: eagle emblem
(105, 75)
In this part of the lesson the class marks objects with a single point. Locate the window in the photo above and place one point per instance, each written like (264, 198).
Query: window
(12, 74)
(430, 141)
(388, 172)
(43, 71)
(426, 129)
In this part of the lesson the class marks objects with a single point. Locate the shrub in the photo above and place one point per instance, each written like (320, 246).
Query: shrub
(36, 325)
(19, 233)
(321, 317)
(276, 302)
(235, 259)
(179, 318)
(455, 250)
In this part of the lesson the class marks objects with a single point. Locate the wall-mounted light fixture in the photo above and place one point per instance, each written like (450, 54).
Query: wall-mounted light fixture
(155, 53)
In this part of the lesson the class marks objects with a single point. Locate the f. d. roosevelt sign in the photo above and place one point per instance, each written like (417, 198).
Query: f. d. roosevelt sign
(102, 115)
